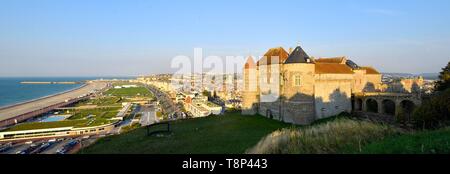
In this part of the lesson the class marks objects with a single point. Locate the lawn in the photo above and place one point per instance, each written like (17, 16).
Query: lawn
(103, 101)
(426, 142)
(105, 113)
(228, 134)
(130, 92)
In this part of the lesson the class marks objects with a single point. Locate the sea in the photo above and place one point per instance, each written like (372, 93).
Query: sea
(13, 92)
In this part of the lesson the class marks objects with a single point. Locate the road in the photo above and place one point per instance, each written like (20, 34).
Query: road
(56, 146)
(16, 148)
(13, 111)
(166, 102)
(148, 115)
(127, 121)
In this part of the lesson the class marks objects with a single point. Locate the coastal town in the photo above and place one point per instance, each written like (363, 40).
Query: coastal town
(226, 85)
(312, 89)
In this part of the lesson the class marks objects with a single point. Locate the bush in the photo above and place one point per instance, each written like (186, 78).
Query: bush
(333, 137)
(444, 79)
(433, 113)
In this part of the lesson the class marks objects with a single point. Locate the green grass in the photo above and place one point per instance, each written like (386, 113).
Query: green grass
(236, 134)
(79, 117)
(98, 112)
(331, 119)
(229, 134)
(130, 127)
(104, 101)
(426, 142)
(130, 92)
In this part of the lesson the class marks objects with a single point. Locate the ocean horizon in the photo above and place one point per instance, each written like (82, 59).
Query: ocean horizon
(13, 92)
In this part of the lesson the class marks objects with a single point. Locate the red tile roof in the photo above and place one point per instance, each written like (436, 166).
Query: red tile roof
(332, 68)
(250, 63)
(272, 53)
(331, 60)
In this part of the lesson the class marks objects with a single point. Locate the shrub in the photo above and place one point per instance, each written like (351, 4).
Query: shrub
(331, 137)
(444, 79)
(433, 113)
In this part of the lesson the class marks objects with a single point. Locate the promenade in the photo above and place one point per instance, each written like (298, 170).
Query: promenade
(27, 107)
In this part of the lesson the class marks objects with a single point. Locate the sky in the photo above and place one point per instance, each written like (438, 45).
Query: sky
(139, 37)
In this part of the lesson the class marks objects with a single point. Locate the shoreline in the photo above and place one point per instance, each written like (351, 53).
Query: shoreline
(11, 115)
(44, 97)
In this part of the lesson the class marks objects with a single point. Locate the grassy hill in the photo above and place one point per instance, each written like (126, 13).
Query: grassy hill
(237, 134)
(331, 136)
(426, 142)
(229, 134)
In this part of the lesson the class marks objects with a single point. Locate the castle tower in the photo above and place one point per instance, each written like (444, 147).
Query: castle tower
(269, 68)
(250, 91)
(297, 88)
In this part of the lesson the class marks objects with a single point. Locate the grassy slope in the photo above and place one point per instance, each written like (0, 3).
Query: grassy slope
(328, 136)
(427, 142)
(235, 134)
(230, 134)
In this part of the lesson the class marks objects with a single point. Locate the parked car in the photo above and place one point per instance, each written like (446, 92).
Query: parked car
(20, 152)
(66, 148)
(30, 149)
(5, 148)
(43, 147)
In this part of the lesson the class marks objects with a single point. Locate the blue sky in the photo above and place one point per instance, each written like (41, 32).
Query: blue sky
(131, 37)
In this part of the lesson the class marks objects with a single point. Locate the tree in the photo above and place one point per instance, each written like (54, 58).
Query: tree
(207, 94)
(434, 113)
(444, 79)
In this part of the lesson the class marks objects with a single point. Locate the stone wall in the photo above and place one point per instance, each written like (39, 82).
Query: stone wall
(250, 92)
(332, 94)
(359, 80)
(298, 101)
(374, 79)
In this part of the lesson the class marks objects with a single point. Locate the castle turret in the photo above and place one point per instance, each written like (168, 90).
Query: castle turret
(250, 91)
(297, 103)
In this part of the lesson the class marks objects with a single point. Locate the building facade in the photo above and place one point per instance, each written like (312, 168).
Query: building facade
(293, 87)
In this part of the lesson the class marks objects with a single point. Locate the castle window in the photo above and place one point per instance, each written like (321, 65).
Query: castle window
(297, 80)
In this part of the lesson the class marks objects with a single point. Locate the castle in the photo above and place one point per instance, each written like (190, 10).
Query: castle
(293, 87)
